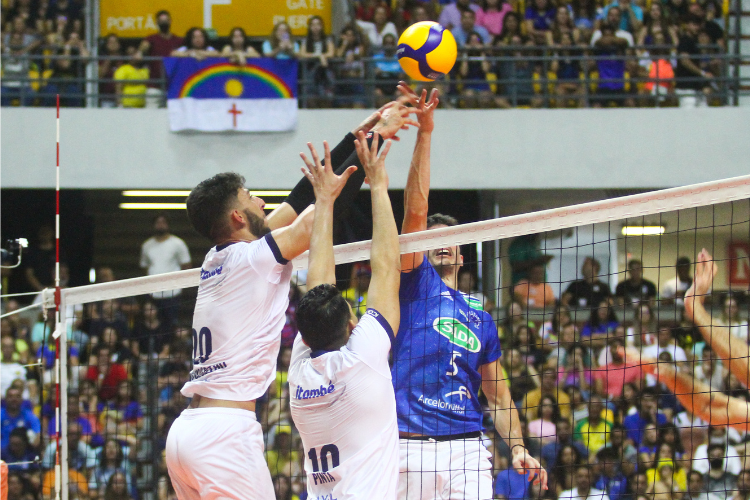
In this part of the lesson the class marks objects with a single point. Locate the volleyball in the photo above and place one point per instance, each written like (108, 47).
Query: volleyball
(426, 51)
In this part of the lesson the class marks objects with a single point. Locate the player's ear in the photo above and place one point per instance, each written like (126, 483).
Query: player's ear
(237, 218)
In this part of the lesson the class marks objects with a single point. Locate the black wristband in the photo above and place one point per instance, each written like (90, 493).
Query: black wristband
(511, 448)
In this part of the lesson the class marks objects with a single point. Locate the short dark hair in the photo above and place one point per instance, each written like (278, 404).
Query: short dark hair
(160, 215)
(322, 316)
(719, 447)
(683, 261)
(446, 220)
(21, 433)
(209, 201)
(162, 13)
(634, 262)
(694, 472)
(607, 453)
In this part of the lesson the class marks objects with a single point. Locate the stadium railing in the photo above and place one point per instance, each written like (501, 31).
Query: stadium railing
(36, 84)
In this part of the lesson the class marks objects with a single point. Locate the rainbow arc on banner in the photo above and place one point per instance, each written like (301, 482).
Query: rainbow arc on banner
(215, 95)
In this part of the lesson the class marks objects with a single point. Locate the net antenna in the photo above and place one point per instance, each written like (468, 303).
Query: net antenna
(61, 417)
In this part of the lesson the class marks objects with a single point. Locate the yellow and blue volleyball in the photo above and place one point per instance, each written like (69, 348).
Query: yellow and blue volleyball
(426, 51)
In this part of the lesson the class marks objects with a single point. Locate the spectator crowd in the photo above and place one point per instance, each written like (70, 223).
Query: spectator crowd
(529, 53)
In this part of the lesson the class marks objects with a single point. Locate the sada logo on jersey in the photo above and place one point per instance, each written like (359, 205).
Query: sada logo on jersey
(457, 333)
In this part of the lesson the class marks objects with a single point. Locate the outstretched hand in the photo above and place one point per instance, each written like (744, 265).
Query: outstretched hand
(394, 116)
(326, 184)
(374, 165)
(523, 462)
(705, 270)
(426, 107)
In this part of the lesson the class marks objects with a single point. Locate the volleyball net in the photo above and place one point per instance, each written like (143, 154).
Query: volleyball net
(562, 287)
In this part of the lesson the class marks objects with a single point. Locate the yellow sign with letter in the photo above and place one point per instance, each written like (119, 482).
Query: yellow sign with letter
(137, 18)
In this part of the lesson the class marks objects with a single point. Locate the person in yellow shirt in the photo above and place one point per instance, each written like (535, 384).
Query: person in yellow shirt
(282, 459)
(549, 387)
(357, 293)
(130, 82)
(593, 431)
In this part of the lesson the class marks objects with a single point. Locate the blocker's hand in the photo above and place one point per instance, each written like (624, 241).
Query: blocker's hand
(425, 107)
(326, 184)
(373, 164)
(705, 270)
(523, 462)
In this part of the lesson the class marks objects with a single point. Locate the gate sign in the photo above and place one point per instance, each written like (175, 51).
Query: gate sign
(137, 18)
(738, 253)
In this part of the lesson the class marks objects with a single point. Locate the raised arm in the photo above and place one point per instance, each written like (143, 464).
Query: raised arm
(698, 398)
(729, 348)
(507, 424)
(384, 254)
(327, 186)
(387, 121)
(417, 190)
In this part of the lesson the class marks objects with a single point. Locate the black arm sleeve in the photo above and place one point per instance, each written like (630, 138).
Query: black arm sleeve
(343, 156)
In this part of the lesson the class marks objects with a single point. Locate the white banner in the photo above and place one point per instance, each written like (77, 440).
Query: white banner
(239, 115)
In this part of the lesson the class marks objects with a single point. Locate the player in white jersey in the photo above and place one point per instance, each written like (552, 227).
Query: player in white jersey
(215, 447)
(342, 398)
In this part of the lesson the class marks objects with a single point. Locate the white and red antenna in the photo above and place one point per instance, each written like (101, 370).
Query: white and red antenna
(58, 323)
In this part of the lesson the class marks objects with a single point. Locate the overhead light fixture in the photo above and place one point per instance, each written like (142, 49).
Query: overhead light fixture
(186, 193)
(643, 230)
(172, 206)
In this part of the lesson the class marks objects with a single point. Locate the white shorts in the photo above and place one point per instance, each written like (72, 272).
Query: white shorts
(217, 453)
(460, 469)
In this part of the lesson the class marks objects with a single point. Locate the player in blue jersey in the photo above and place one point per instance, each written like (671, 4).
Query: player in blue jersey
(446, 350)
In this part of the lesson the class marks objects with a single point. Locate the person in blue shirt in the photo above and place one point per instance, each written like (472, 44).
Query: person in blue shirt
(447, 348)
(14, 415)
(632, 15)
(17, 452)
(509, 484)
(468, 25)
(636, 423)
(612, 481)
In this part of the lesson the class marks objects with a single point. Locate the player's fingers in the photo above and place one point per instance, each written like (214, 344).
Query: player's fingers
(374, 145)
(314, 154)
(411, 122)
(307, 174)
(347, 173)
(387, 148)
(306, 161)
(395, 138)
(434, 96)
(327, 156)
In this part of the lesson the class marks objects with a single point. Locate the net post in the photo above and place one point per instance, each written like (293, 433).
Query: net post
(63, 378)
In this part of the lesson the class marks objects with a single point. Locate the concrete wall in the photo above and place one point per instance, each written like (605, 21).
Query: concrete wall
(103, 148)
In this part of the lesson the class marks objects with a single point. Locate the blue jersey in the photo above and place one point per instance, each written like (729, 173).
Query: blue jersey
(443, 339)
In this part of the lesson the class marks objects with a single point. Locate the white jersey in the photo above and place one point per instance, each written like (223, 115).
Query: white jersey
(242, 300)
(344, 407)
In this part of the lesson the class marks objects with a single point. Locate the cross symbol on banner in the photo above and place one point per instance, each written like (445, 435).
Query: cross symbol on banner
(234, 111)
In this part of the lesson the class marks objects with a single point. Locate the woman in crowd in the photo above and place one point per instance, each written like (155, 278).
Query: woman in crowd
(196, 45)
(522, 377)
(20, 488)
(351, 50)
(316, 51)
(656, 22)
(563, 475)
(473, 69)
(239, 50)
(511, 28)
(149, 332)
(601, 323)
(107, 67)
(526, 342)
(576, 369)
(544, 426)
(112, 458)
(540, 16)
(117, 488)
(644, 328)
(380, 26)
(514, 317)
(550, 331)
(562, 25)
(280, 45)
(491, 15)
